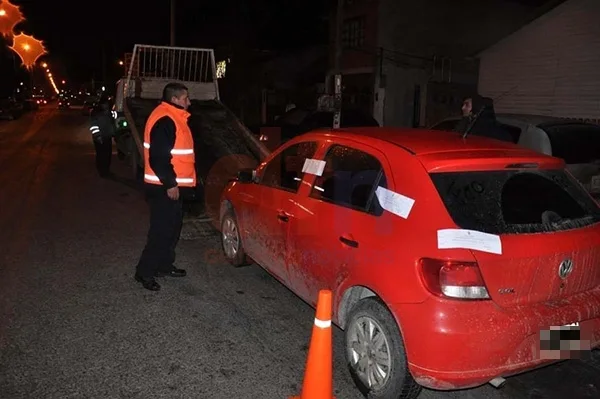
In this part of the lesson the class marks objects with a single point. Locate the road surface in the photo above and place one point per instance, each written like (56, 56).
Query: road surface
(74, 323)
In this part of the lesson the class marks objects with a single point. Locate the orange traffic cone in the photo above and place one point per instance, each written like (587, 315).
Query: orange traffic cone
(318, 379)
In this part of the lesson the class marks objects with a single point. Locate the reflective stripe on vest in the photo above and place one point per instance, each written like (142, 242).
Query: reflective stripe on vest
(182, 180)
(184, 151)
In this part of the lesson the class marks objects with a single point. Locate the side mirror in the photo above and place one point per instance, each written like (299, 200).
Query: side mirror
(246, 176)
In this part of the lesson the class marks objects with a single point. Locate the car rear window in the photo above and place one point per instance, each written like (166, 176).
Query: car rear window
(516, 201)
(576, 143)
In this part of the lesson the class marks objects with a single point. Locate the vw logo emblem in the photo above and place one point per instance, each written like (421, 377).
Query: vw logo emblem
(565, 268)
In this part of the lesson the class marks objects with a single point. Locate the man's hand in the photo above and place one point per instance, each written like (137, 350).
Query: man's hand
(173, 193)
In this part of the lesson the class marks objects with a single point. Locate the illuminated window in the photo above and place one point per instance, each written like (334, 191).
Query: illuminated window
(221, 68)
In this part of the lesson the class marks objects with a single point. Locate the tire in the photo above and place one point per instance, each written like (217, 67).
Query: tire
(399, 383)
(231, 231)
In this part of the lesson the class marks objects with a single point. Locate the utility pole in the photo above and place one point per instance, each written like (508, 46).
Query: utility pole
(104, 81)
(339, 20)
(172, 22)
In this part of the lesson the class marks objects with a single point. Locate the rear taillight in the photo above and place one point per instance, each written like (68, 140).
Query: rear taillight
(453, 279)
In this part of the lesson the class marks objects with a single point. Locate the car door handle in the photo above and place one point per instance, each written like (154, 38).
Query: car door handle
(349, 242)
(283, 217)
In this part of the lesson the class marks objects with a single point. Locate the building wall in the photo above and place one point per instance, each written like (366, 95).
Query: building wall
(549, 67)
(362, 58)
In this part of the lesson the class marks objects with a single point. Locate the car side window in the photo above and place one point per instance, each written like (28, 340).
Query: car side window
(284, 172)
(350, 179)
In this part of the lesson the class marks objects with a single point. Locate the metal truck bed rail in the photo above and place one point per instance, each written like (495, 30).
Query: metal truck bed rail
(151, 67)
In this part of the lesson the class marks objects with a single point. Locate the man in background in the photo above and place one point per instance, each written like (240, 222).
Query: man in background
(479, 112)
(103, 129)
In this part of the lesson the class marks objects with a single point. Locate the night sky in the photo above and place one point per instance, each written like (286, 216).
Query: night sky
(76, 32)
(79, 35)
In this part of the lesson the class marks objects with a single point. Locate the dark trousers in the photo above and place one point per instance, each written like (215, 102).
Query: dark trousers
(103, 155)
(166, 219)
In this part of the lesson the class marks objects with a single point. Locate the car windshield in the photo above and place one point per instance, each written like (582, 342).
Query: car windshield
(516, 201)
(576, 143)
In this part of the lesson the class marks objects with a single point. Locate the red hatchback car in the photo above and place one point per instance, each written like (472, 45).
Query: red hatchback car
(449, 259)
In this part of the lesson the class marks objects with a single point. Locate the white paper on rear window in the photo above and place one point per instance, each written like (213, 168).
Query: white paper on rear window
(469, 239)
(395, 203)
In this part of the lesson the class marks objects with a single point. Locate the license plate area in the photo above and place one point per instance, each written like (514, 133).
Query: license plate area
(564, 342)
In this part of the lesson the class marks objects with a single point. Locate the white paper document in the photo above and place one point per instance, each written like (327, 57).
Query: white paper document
(395, 203)
(313, 166)
(469, 239)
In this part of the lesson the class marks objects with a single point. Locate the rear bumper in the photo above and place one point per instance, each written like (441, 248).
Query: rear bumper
(455, 345)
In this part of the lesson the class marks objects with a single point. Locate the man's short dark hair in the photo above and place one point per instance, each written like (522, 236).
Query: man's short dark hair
(173, 90)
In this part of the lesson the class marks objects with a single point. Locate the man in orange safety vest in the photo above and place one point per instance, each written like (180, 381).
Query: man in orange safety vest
(169, 164)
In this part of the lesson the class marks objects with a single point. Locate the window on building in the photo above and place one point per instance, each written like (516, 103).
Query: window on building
(353, 32)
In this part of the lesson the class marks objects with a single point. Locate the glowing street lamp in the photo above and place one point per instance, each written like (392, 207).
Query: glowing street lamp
(44, 65)
(10, 16)
(121, 63)
(28, 48)
(63, 82)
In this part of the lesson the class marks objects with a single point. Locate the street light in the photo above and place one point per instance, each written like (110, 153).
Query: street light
(120, 62)
(44, 65)
(63, 82)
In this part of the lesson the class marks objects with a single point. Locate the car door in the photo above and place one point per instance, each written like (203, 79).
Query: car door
(267, 214)
(341, 227)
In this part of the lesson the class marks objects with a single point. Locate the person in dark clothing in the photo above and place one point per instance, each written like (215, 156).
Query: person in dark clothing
(102, 126)
(479, 112)
(169, 170)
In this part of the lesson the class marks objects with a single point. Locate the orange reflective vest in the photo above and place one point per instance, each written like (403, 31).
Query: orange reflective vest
(183, 151)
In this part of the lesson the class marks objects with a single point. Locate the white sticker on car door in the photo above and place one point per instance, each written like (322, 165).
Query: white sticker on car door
(469, 239)
(313, 167)
(395, 203)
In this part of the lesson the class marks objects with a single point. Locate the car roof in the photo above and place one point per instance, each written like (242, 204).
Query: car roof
(530, 119)
(416, 141)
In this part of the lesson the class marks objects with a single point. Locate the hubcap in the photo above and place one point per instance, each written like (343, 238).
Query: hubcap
(369, 352)
(231, 239)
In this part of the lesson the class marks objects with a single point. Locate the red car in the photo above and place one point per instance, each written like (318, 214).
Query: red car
(449, 258)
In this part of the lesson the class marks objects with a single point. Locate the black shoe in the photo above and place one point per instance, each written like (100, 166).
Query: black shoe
(174, 272)
(148, 283)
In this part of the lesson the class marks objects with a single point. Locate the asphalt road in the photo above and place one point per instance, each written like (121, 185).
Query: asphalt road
(74, 323)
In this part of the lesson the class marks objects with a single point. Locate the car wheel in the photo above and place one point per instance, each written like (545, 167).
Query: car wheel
(231, 241)
(375, 353)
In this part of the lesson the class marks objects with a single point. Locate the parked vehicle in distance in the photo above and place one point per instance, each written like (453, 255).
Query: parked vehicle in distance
(446, 257)
(578, 143)
(300, 120)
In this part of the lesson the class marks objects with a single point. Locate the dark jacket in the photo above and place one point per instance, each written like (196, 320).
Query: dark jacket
(102, 124)
(483, 120)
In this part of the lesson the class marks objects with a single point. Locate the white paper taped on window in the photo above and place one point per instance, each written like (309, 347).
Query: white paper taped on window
(313, 166)
(395, 203)
(469, 239)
